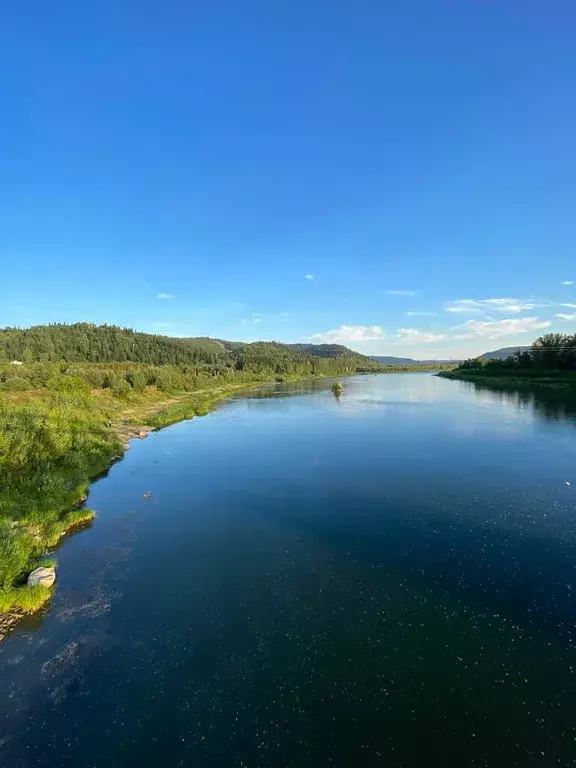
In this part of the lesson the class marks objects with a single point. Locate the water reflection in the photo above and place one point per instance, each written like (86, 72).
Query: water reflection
(550, 403)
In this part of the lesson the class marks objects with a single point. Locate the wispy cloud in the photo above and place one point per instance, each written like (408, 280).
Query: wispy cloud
(495, 329)
(350, 333)
(165, 296)
(568, 305)
(256, 318)
(563, 316)
(567, 282)
(397, 292)
(486, 306)
(414, 335)
(309, 277)
(421, 314)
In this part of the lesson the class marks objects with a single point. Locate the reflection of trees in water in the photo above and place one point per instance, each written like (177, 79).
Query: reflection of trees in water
(289, 389)
(551, 403)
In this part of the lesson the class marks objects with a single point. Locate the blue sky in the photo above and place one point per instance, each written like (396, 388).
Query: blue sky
(396, 176)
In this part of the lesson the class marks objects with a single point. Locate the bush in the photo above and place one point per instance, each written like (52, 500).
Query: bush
(69, 385)
(122, 388)
(15, 550)
(16, 384)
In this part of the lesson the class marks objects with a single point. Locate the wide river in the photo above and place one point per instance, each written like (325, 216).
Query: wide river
(384, 579)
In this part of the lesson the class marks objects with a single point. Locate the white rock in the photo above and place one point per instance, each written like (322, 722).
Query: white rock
(43, 577)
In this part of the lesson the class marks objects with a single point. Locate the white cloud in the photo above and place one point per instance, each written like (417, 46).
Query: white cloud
(495, 329)
(259, 317)
(567, 282)
(421, 314)
(484, 306)
(562, 316)
(165, 296)
(401, 293)
(570, 306)
(350, 333)
(413, 335)
(309, 277)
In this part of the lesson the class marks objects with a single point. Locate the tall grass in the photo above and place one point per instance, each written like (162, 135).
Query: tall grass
(49, 449)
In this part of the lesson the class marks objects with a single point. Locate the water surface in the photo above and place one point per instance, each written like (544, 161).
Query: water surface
(387, 578)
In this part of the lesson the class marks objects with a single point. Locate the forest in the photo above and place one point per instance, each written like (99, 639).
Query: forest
(550, 359)
(89, 343)
(71, 396)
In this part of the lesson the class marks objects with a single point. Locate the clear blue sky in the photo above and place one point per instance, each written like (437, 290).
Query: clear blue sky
(217, 153)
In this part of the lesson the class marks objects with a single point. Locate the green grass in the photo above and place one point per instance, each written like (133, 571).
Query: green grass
(23, 599)
(191, 406)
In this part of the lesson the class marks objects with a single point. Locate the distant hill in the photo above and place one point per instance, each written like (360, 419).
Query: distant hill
(386, 360)
(502, 354)
(333, 351)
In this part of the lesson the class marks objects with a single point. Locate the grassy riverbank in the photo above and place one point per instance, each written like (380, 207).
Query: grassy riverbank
(518, 377)
(51, 445)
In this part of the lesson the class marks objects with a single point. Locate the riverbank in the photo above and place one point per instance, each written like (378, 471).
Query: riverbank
(37, 524)
(515, 378)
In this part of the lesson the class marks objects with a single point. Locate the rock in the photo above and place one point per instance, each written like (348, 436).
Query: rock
(43, 577)
(142, 434)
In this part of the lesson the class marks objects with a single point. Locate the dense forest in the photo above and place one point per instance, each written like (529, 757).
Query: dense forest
(88, 343)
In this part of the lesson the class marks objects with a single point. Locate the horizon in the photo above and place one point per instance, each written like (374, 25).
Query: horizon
(398, 180)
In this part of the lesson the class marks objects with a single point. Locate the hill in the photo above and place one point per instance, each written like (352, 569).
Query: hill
(89, 343)
(503, 353)
(386, 360)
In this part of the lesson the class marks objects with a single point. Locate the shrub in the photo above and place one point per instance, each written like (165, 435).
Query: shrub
(69, 385)
(16, 384)
(15, 549)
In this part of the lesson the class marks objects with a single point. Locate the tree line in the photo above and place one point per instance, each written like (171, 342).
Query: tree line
(550, 352)
(89, 343)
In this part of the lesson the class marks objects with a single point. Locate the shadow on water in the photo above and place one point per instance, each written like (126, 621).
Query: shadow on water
(550, 403)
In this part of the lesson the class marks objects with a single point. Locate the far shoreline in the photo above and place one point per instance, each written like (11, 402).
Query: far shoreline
(565, 380)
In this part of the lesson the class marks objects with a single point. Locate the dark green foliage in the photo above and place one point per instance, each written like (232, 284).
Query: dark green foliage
(14, 554)
(552, 357)
(87, 343)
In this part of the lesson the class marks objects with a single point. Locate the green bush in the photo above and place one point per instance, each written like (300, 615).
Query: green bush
(16, 384)
(15, 550)
(69, 385)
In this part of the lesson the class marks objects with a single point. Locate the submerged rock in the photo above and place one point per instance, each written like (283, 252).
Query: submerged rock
(42, 577)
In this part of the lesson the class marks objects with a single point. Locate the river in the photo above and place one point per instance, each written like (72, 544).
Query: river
(387, 578)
